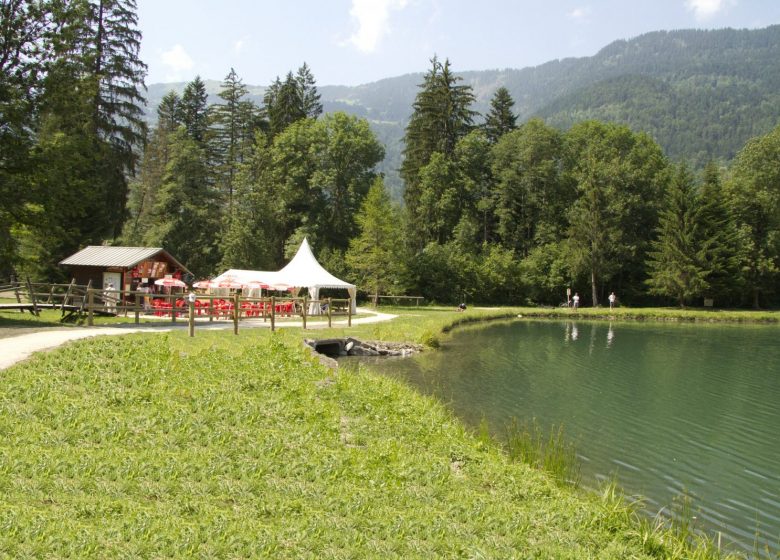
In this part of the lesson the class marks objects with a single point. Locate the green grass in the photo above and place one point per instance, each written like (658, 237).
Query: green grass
(244, 446)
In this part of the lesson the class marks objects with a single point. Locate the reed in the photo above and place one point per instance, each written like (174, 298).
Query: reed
(528, 443)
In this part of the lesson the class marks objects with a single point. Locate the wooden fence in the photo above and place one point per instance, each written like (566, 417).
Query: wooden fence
(78, 299)
(376, 298)
(213, 308)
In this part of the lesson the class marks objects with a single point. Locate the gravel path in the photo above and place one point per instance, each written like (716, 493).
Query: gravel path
(18, 348)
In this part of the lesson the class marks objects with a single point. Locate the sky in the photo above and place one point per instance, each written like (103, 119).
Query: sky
(352, 42)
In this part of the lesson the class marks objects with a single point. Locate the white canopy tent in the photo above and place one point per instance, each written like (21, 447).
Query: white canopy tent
(303, 271)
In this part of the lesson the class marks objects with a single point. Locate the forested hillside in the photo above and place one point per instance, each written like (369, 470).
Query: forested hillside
(700, 94)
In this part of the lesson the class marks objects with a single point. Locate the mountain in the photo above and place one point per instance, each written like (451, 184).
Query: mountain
(700, 94)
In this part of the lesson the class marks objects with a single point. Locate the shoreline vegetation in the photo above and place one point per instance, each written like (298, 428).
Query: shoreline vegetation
(245, 446)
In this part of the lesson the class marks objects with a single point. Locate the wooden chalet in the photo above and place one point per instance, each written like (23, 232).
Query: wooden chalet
(126, 268)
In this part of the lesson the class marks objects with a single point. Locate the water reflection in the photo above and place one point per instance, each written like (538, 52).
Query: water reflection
(571, 333)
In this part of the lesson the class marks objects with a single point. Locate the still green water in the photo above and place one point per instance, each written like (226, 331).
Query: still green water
(669, 409)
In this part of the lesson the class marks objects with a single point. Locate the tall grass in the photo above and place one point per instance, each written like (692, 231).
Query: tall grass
(551, 452)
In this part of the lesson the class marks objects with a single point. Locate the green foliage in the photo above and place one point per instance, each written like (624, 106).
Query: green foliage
(500, 120)
(373, 256)
(442, 116)
(194, 110)
(531, 195)
(619, 177)
(754, 198)
(233, 126)
(186, 210)
(678, 263)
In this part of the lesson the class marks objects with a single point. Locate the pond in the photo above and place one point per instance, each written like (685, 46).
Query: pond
(670, 410)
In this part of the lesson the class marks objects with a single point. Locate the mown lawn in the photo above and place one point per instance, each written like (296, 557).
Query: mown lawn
(223, 446)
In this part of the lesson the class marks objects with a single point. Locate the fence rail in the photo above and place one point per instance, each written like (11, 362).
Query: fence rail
(375, 299)
(79, 299)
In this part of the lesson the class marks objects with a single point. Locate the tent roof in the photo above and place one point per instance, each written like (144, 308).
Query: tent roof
(246, 276)
(305, 272)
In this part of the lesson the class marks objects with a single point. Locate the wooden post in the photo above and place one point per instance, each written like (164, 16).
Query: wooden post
(172, 301)
(35, 311)
(67, 294)
(192, 319)
(349, 312)
(90, 305)
(18, 297)
(211, 309)
(236, 311)
(137, 308)
(273, 313)
(330, 306)
(303, 312)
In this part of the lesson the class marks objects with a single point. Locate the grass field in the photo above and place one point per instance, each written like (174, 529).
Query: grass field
(224, 446)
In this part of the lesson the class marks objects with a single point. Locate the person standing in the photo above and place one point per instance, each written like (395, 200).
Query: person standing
(575, 300)
(109, 298)
(612, 299)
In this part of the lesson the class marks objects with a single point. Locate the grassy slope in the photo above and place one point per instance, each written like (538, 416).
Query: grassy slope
(224, 446)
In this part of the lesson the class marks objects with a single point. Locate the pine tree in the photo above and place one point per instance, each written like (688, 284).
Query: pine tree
(720, 236)
(169, 112)
(310, 98)
(112, 54)
(233, 131)
(678, 263)
(442, 115)
(287, 105)
(373, 254)
(500, 119)
(186, 210)
(194, 110)
(254, 219)
(22, 48)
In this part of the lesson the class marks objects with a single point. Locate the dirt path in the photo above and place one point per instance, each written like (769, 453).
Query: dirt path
(18, 348)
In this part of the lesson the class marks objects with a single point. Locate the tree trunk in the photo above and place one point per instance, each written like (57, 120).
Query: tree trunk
(594, 288)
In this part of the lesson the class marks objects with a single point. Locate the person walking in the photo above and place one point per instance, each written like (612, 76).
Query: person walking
(612, 299)
(575, 301)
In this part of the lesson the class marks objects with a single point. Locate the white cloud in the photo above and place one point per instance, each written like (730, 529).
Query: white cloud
(705, 9)
(177, 62)
(238, 46)
(579, 14)
(372, 22)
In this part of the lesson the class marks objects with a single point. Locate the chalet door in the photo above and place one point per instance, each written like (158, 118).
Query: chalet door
(114, 278)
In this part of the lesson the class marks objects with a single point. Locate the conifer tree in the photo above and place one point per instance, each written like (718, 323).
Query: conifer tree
(720, 235)
(194, 110)
(186, 210)
(373, 254)
(310, 98)
(283, 104)
(233, 131)
(677, 262)
(500, 119)
(169, 112)
(442, 115)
